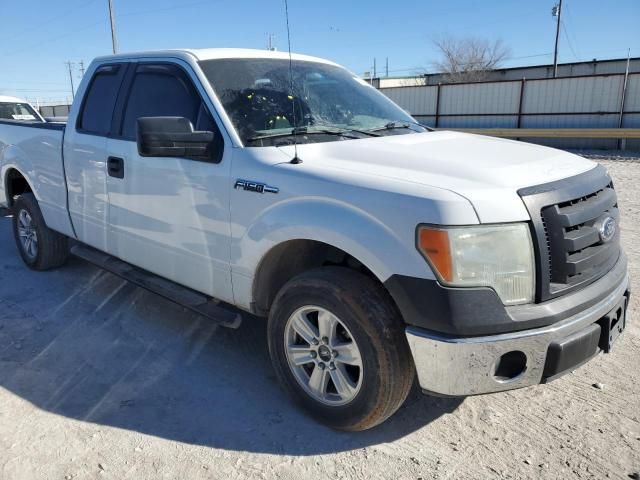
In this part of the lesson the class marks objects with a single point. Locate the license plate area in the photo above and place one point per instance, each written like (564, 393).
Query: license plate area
(612, 325)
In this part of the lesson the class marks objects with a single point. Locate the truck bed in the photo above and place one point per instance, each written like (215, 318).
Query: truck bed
(35, 151)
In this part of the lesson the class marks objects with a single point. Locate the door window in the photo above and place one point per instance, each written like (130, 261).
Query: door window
(163, 91)
(18, 111)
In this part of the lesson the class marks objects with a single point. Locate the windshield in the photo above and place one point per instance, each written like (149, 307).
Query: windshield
(18, 111)
(325, 103)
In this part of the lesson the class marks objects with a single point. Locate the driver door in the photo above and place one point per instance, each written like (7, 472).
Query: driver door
(169, 215)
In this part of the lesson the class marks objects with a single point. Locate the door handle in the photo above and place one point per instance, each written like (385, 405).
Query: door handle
(115, 167)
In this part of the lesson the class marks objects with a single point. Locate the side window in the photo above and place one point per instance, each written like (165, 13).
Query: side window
(99, 101)
(17, 111)
(163, 91)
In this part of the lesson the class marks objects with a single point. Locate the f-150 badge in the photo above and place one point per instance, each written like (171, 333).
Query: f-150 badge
(255, 187)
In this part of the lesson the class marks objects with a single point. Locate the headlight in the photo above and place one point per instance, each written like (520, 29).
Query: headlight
(496, 256)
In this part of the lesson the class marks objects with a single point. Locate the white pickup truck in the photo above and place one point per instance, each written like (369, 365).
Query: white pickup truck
(379, 250)
(12, 108)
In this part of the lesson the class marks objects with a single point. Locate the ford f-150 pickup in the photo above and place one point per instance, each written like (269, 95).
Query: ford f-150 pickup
(378, 250)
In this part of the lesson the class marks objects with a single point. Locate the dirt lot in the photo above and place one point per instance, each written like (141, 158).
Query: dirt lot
(99, 379)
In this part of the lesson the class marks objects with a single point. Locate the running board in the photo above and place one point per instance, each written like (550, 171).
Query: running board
(186, 297)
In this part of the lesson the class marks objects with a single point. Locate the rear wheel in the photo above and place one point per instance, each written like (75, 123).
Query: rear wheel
(337, 344)
(40, 247)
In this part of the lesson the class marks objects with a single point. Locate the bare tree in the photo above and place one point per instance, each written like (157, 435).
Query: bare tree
(469, 59)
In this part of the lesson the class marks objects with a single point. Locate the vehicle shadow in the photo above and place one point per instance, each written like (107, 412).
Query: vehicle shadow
(84, 344)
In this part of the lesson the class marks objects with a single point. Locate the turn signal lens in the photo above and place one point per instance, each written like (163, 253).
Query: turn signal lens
(434, 244)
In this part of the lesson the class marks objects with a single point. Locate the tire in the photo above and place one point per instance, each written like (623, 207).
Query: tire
(370, 392)
(48, 249)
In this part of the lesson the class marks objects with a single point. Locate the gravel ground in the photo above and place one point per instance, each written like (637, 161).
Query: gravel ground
(99, 379)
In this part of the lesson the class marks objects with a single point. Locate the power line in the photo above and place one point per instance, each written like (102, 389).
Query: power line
(29, 82)
(520, 57)
(39, 26)
(568, 18)
(148, 11)
(36, 89)
(101, 22)
(52, 39)
(482, 62)
(566, 35)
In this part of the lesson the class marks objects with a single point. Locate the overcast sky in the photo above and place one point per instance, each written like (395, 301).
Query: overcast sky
(38, 36)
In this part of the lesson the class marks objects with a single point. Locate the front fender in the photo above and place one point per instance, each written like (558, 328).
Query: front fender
(335, 223)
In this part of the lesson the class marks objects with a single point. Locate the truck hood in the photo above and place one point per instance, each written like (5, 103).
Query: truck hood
(487, 171)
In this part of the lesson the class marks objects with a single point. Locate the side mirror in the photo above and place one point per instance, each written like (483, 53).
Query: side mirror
(172, 137)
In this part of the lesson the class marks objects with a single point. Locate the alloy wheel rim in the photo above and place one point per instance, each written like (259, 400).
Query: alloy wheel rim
(323, 355)
(27, 234)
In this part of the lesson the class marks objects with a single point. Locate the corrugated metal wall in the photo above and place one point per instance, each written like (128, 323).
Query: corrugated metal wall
(480, 98)
(420, 99)
(632, 104)
(567, 95)
(55, 110)
(589, 102)
(598, 67)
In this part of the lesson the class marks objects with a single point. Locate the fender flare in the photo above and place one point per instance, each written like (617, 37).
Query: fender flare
(335, 223)
(11, 158)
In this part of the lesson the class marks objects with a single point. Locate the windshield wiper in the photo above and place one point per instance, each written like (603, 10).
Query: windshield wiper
(399, 125)
(342, 132)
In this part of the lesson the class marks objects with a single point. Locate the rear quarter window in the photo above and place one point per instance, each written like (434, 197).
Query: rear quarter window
(100, 100)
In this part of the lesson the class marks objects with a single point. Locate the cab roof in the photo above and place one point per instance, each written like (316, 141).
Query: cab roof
(214, 53)
(7, 99)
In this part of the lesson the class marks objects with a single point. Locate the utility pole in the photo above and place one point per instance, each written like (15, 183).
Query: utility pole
(375, 72)
(70, 66)
(386, 67)
(81, 68)
(270, 45)
(112, 17)
(556, 12)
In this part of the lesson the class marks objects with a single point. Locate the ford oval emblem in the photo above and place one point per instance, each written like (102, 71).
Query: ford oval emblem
(607, 229)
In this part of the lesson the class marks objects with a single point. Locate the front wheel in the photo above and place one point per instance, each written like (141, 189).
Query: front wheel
(337, 344)
(40, 247)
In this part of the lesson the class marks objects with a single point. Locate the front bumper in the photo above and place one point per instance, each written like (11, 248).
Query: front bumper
(462, 365)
